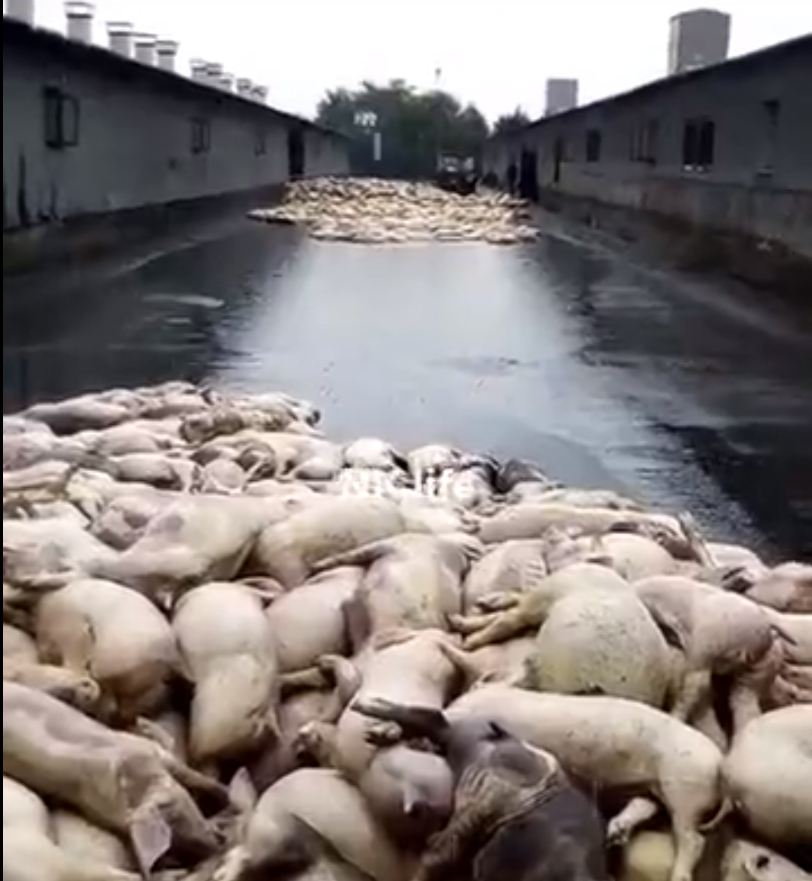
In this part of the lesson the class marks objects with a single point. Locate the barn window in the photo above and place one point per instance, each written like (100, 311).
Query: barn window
(644, 142)
(61, 119)
(593, 145)
(200, 135)
(772, 112)
(260, 142)
(699, 144)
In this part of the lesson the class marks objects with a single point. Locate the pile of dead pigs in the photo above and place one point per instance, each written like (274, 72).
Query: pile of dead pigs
(379, 212)
(236, 650)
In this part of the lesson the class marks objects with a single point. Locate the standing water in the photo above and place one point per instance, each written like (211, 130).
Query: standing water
(690, 395)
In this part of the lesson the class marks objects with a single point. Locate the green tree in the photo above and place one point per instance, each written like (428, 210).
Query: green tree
(415, 126)
(511, 122)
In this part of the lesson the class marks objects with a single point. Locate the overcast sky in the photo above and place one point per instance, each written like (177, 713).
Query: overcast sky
(496, 53)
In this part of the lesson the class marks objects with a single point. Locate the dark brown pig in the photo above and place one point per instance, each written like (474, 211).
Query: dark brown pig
(517, 815)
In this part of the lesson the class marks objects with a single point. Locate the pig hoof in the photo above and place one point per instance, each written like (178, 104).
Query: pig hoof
(618, 833)
(328, 665)
(306, 744)
(232, 867)
(383, 734)
(497, 602)
(474, 642)
(456, 623)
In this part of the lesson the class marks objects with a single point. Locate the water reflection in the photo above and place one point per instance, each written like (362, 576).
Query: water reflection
(150, 315)
(566, 352)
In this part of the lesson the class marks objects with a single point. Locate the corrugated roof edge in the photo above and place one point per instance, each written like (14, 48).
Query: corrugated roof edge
(22, 33)
(757, 57)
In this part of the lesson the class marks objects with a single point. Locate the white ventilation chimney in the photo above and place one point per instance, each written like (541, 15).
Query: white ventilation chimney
(213, 74)
(245, 88)
(167, 51)
(227, 82)
(21, 10)
(120, 38)
(145, 49)
(199, 70)
(261, 94)
(80, 21)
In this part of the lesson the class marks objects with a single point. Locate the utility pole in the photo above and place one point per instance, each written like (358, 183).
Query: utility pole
(367, 121)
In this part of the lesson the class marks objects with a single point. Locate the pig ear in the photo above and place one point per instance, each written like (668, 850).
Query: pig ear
(411, 799)
(498, 732)
(242, 792)
(150, 837)
(758, 867)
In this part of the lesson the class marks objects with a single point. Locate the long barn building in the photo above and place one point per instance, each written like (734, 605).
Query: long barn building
(88, 131)
(726, 147)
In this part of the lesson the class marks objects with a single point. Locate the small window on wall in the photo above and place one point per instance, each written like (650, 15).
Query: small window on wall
(61, 119)
(593, 146)
(200, 136)
(699, 144)
(772, 113)
(644, 142)
(260, 142)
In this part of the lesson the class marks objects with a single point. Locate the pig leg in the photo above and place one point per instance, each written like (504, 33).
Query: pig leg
(694, 692)
(798, 677)
(753, 686)
(745, 706)
(460, 660)
(637, 813)
(505, 626)
(688, 801)
(150, 730)
(344, 673)
(200, 785)
(234, 866)
(689, 847)
(468, 624)
(316, 741)
(364, 556)
(356, 622)
(451, 849)
(708, 723)
(301, 680)
(498, 602)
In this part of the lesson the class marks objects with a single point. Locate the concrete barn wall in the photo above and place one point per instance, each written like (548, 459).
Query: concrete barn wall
(136, 144)
(759, 182)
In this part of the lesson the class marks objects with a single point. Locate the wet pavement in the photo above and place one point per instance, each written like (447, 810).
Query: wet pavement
(689, 394)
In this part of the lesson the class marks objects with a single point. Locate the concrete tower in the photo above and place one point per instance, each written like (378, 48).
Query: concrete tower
(562, 95)
(698, 38)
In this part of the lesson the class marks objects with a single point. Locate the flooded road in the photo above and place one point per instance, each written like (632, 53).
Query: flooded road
(607, 373)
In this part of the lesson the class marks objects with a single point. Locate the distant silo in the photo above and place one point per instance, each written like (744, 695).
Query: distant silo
(21, 10)
(562, 95)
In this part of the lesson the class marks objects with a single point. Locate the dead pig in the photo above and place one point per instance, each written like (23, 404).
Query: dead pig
(768, 773)
(301, 816)
(622, 745)
(516, 813)
(123, 783)
(30, 853)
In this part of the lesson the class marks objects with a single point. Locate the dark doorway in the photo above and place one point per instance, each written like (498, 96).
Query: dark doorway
(558, 160)
(528, 175)
(296, 153)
